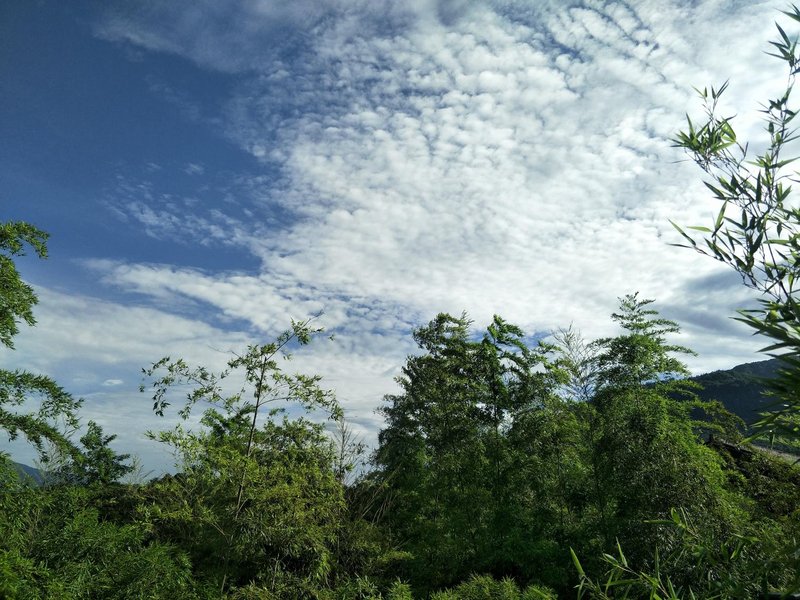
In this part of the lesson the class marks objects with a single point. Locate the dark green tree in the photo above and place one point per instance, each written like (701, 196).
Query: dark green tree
(444, 456)
(96, 463)
(17, 387)
(549, 492)
(646, 458)
(18, 298)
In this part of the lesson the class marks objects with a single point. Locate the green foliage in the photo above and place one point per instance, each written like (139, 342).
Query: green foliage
(18, 575)
(18, 572)
(17, 298)
(548, 492)
(482, 587)
(714, 567)
(399, 591)
(257, 503)
(757, 229)
(621, 581)
(55, 544)
(105, 560)
(772, 482)
(444, 457)
(643, 454)
(640, 356)
(96, 463)
(286, 518)
(497, 457)
(55, 404)
(261, 376)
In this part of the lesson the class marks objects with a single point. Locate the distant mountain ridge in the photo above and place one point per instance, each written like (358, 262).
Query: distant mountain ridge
(28, 472)
(740, 389)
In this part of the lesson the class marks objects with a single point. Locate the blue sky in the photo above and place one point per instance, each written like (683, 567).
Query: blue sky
(208, 171)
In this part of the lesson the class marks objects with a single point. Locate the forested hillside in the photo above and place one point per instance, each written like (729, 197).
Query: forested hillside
(740, 389)
(27, 472)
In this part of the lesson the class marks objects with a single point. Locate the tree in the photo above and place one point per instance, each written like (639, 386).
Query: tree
(644, 456)
(444, 457)
(757, 228)
(350, 451)
(640, 356)
(17, 300)
(577, 358)
(97, 463)
(430, 454)
(549, 493)
(259, 494)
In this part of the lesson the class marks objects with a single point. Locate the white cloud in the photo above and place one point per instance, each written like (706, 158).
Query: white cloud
(194, 169)
(513, 161)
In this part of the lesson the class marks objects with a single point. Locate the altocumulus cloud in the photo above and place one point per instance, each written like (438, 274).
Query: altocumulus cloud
(508, 157)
